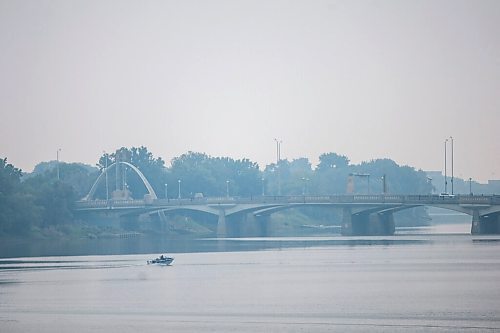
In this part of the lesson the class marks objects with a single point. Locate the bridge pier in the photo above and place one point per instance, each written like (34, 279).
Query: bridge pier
(254, 226)
(346, 229)
(221, 224)
(366, 223)
(476, 223)
(381, 224)
(485, 224)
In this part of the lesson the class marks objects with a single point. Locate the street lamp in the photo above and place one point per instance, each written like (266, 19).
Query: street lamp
(368, 178)
(57, 164)
(227, 189)
(106, 173)
(263, 189)
(470, 185)
(179, 181)
(304, 185)
(278, 159)
(166, 191)
(445, 176)
(384, 184)
(451, 138)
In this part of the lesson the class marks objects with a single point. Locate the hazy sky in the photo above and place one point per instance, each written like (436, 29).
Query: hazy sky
(367, 79)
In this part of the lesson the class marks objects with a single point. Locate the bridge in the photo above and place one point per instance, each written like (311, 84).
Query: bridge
(361, 214)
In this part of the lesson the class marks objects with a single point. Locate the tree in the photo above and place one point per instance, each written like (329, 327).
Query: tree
(10, 177)
(17, 210)
(332, 160)
(199, 172)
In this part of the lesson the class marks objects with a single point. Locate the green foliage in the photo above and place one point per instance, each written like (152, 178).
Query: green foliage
(213, 176)
(17, 210)
(57, 201)
(10, 177)
(41, 200)
(331, 161)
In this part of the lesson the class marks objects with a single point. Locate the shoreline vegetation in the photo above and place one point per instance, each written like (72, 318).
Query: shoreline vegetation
(39, 205)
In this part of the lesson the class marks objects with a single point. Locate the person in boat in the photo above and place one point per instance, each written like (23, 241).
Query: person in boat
(162, 257)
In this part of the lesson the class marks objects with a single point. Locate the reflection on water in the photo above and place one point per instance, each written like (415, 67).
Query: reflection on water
(152, 244)
(448, 228)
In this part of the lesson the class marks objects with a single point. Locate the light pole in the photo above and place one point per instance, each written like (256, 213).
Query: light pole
(166, 191)
(451, 138)
(384, 185)
(429, 181)
(304, 185)
(57, 163)
(179, 181)
(263, 192)
(445, 176)
(106, 173)
(470, 185)
(227, 189)
(368, 178)
(278, 159)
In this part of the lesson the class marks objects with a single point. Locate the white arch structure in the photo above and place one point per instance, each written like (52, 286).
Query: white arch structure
(148, 186)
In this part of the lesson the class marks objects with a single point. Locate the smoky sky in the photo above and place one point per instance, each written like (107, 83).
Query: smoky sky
(367, 79)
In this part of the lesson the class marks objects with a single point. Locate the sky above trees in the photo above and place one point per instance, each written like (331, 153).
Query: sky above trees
(366, 79)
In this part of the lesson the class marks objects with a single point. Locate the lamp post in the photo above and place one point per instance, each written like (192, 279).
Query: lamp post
(368, 178)
(451, 138)
(470, 185)
(57, 163)
(166, 191)
(227, 189)
(278, 159)
(179, 181)
(384, 184)
(445, 176)
(304, 185)
(263, 192)
(106, 174)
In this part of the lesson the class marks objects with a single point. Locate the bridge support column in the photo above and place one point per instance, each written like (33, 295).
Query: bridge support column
(221, 224)
(346, 229)
(485, 224)
(476, 223)
(252, 226)
(381, 224)
(366, 224)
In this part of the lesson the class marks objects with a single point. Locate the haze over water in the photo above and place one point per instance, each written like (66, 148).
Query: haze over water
(425, 282)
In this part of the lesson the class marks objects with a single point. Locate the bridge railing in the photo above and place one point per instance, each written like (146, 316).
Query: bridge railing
(95, 204)
(298, 199)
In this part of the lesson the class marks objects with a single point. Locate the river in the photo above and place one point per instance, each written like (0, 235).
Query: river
(419, 280)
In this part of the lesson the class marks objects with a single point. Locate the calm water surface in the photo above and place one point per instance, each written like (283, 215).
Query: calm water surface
(416, 282)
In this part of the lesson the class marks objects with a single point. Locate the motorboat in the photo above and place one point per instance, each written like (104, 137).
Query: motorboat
(161, 260)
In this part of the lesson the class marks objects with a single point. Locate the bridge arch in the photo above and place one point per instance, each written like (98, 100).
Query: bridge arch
(148, 186)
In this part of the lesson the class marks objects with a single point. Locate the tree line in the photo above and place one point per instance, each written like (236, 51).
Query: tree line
(41, 200)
